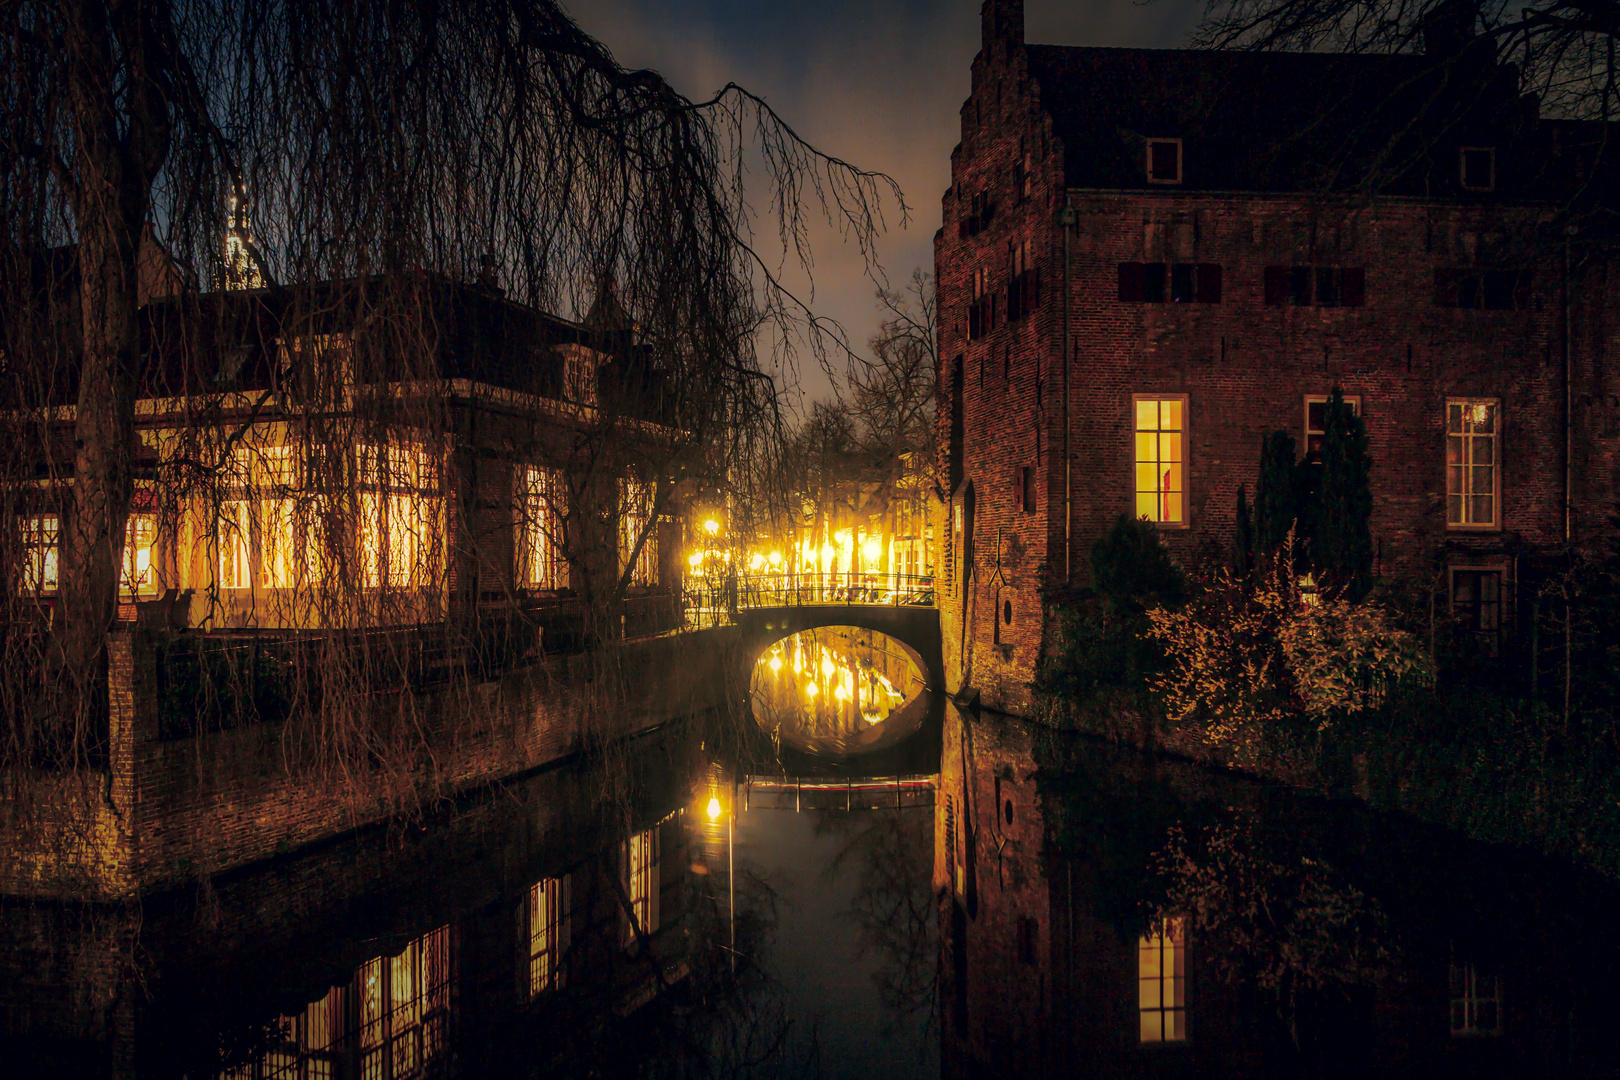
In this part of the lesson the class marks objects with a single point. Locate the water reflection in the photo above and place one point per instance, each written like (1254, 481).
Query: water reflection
(838, 690)
(1043, 905)
(1149, 917)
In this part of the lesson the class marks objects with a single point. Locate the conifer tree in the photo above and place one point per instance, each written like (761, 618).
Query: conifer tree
(1341, 547)
(1244, 538)
(1276, 496)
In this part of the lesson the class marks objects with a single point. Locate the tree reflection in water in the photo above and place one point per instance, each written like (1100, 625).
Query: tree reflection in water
(891, 852)
(1267, 915)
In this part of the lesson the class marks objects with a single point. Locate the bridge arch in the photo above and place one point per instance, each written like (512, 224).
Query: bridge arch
(915, 627)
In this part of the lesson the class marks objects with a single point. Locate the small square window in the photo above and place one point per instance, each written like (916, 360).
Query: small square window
(1164, 161)
(1478, 167)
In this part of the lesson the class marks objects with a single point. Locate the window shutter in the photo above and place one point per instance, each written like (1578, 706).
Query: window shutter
(1353, 286)
(1209, 283)
(1130, 283)
(1276, 286)
(1445, 287)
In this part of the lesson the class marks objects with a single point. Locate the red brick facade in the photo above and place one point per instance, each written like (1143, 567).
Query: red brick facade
(1242, 359)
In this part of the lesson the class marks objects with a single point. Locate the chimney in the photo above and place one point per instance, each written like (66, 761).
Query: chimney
(1448, 27)
(1002, 21)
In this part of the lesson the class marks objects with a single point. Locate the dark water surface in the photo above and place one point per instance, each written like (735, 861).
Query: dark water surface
(996, 901)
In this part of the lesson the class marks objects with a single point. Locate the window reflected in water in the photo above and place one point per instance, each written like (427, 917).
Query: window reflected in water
(1161, 972)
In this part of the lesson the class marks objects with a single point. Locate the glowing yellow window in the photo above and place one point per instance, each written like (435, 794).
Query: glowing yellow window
(139, 536)
(1161, 976)
(232, 539)
(1161, 482)
(41, 556)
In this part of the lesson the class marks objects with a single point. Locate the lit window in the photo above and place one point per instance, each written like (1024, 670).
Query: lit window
(41, 553)
(1477, 166)
(277, 543)
(541, 564)
(1160, 459)
(139, 536)
(1161, 976)
(399, 522)
(232, 539)
(1164, 161)
(1476, 1002)
(1316, 420)
(641, 882)
(548, 934)
(637, 527)
(579, 375)
(405, 1007)
(1472, 430)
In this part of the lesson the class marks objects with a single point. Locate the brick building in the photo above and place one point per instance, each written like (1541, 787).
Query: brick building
(1216, 241)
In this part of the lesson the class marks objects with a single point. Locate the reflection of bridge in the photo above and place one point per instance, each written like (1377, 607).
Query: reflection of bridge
(833, 793)
(769, 609)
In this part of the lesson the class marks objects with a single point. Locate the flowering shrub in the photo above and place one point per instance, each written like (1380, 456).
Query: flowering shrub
(1246, 658)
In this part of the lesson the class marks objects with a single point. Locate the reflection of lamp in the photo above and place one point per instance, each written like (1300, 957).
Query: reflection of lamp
(695, 560)
(776, 664)
(755, 561)
(810, 689)
(776, 559)
(714, 808)
(872, 549)
(712, 527)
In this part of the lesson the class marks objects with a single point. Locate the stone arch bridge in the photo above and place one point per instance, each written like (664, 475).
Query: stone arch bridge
(914, 626)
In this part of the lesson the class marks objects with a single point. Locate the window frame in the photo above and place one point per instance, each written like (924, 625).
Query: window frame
(1492, 639)
(1186, 457)
(1462, 168)
(1153, 141)
(1322, 399)
(1495, 524)
(1470, 1001)
(42, 554)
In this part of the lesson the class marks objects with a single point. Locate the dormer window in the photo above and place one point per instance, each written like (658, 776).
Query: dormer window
(1164, 161)
(1478, 168)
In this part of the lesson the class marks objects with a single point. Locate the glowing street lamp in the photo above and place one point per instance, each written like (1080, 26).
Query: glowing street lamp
(712, 527)
(776, 559)
(714, 808)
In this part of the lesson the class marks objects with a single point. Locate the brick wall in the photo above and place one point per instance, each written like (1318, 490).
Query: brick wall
(173, 811)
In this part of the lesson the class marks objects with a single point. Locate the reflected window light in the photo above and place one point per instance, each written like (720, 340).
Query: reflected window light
(404, 1007)
(810, 690)
(1161, 973)
(640, 861)
(1476, 1002)
(549, 916)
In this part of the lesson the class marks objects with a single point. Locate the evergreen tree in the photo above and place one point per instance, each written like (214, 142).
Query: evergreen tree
(1244, 538)
(1276, 496)
(1341, 542)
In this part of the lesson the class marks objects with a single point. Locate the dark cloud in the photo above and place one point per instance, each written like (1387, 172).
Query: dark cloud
(879, 85)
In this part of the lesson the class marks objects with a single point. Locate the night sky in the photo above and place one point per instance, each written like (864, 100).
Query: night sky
(878, 84)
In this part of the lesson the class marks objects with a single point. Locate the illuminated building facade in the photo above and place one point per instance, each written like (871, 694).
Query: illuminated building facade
(1138, 281)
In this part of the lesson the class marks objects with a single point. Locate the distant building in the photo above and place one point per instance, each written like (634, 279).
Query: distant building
(1158, 215)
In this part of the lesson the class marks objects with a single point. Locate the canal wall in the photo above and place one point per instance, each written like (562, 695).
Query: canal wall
(167, 811)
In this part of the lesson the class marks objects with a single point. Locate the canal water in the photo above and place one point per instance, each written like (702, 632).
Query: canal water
(730, 897)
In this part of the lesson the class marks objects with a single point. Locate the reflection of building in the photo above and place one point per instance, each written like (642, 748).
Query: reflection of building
(1052, 960)
(1215, 295)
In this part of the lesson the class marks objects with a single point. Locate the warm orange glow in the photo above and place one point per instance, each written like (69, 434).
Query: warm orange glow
(712, 527)
(714, 808)
(776, 559)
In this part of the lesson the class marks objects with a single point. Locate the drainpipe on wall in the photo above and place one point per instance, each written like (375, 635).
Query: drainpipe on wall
(1067, 218)
(1569, 397)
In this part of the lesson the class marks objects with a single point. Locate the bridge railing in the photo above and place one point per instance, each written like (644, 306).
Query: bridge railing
(838, 793)
(713, 602)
